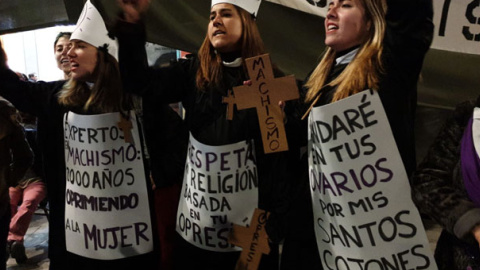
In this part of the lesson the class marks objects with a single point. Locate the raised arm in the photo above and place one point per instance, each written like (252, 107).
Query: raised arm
(410, 22)
(163, 84)
(32, 98)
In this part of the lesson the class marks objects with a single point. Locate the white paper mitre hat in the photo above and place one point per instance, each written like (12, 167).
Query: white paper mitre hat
(91, 29)
(251, 6)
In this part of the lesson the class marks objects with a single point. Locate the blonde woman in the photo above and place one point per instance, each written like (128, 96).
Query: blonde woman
(370, 44)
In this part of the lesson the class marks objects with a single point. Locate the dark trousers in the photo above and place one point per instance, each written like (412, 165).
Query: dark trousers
(4, 224)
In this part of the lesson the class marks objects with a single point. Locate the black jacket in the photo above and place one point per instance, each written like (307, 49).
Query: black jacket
(206, 117)
(15, 153)
(409, 34)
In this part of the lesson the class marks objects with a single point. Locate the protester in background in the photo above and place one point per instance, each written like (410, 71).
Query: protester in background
(31, 191)
(446, 188)
(61, 46)
(368, 47)
(94, 89)
(27, 195)
(199, 83)
(15, 158)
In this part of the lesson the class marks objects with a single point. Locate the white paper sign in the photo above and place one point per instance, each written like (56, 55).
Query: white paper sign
(220, 187)
(107, 213)
(364, 216)
(457, 22)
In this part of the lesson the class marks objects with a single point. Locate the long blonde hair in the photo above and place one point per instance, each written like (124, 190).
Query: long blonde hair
(363, 72)
(106, 94)
(210, 71)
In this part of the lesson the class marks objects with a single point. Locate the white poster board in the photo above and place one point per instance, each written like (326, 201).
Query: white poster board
(364, 216)
(107, 213)
(457, 22)
(220, 187)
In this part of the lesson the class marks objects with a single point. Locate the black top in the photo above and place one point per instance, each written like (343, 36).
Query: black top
(206, 115)
(409, 34)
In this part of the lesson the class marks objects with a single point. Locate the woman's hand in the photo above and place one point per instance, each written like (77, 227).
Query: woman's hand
(133, 10)
(476, 233)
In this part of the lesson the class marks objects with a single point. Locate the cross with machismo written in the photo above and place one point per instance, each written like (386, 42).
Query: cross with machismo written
(264, 94)
(126, 126)
(253, 240)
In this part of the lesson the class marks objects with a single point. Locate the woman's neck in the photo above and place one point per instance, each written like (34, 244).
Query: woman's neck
(230, 56)
(344, 52)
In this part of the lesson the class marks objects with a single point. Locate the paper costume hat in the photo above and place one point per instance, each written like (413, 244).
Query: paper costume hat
(91, 29)
(251, 6)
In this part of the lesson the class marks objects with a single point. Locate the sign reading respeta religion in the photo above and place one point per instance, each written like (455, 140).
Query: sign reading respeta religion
(220, 188)
(364, 216)
(107, 214)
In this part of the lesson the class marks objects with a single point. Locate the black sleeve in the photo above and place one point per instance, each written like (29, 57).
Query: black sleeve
(409, 23)
(165, 85)
(167, 139)
(28, 97)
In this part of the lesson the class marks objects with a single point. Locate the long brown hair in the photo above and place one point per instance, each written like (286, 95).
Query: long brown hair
(210, 70)
(364, 71)
(106, 94)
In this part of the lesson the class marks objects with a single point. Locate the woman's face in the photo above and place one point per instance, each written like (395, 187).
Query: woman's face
(61, 49)
(225, 28)
(83, 60)
(345, 25)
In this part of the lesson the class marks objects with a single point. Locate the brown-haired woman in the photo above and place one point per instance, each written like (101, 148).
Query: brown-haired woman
(200, 83)
(92, 91)
(61, 46)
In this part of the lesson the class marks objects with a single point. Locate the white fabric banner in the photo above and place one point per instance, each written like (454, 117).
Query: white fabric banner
(315, 7)
(364, 216)
(220, 188)
(457, 25)
(457, 22)
(107, 214)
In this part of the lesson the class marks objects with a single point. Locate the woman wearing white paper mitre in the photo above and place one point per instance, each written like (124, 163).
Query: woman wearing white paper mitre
(370, 44)
(200, 83)
(93, 90)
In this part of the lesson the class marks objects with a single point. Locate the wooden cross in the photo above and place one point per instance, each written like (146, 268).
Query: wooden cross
(126, 126)
(264, 94)
(230, 100)
(253, 240)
